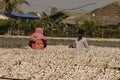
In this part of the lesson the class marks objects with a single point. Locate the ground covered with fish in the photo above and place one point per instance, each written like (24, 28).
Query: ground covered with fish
(60, 63)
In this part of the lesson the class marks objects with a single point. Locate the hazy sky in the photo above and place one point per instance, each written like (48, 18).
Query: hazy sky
(44, 5)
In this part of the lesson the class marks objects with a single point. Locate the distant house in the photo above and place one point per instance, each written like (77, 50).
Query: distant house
(58, 15)
(36, 14)
(75, 17)
(107, 14)
(24, 17)
(112, 9)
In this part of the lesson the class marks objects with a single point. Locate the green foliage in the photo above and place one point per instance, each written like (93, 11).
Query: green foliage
(54, 28)
(5, 25)
(12, 5)
(91, 28)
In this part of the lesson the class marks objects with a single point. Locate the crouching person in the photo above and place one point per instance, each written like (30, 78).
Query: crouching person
(38, 40)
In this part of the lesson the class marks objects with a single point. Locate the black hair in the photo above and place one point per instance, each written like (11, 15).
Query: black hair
(81, 31)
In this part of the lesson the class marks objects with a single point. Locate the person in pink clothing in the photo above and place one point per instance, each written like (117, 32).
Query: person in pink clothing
(38, 40)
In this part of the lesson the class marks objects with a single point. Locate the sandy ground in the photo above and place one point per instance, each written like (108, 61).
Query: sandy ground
(60, 63)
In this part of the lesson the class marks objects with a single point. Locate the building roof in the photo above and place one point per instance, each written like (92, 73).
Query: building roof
(57, 15)
(24, 17)
(107, 14)
(112, 9)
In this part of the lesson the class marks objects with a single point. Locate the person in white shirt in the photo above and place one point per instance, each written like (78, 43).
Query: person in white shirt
(80, 42)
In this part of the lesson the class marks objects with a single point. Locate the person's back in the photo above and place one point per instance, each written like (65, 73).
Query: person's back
(80, 42)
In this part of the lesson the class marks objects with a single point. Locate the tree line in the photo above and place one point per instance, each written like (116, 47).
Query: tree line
(53, 28)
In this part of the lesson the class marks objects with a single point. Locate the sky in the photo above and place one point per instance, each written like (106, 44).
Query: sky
(45, 5)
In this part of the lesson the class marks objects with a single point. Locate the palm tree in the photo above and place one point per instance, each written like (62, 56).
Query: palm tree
(12, 5)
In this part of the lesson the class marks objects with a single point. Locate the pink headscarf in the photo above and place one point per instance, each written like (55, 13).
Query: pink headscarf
(37, 35)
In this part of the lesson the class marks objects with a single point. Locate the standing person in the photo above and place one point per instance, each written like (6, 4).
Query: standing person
(80, 42)
(38, 40)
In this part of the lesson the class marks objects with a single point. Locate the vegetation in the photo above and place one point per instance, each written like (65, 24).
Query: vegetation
(9, 6)
(54, 28)
(52, 24)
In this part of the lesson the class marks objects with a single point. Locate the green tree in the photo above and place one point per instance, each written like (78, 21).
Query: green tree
(12, 5)
(91, 28)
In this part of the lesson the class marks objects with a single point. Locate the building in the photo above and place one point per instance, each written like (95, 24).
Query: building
(24, 17)
(107, 14)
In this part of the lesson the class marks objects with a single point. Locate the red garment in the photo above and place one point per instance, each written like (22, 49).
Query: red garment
(38, 40)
